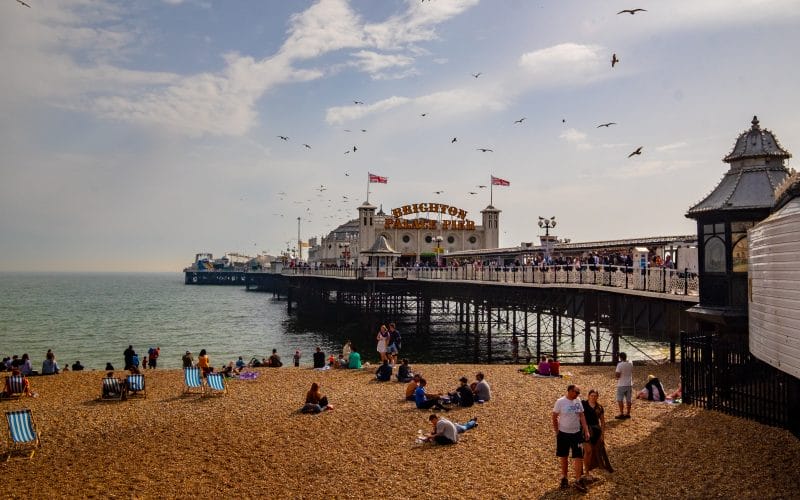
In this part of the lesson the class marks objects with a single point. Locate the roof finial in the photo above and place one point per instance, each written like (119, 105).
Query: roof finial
(755, 123)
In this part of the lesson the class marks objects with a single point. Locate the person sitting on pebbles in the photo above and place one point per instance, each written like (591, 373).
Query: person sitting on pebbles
(427, 401)
(315, 401)
(445, 431)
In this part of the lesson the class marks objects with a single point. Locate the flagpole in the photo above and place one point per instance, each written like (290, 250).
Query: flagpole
(491, 190)
(367, 188)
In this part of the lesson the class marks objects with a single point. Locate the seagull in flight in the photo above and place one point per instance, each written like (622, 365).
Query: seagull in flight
(520, 120)
(285, 138)
(614, 59)
(363, 130)
(485, 150)
(472, 192)
(481, 186)
(307, 146)
(346, 152)
(637, 152)
(358, 102)
(424, 114)
(347, 130)
(23, 3)
(438, 192)
(453, 140)
(631, 11)
(606, 124)
(355, 149)
(476, 75)
(563, 120)
(347, 174)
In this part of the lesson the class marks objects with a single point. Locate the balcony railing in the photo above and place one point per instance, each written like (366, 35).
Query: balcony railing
(656, 280)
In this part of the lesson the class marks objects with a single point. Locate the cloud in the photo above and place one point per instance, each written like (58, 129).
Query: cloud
(375, 63)
(342, 114)
(573, 135)
(670, 147)
(564, 64)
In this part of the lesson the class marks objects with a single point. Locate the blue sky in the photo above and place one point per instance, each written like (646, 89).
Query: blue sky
(135, 134)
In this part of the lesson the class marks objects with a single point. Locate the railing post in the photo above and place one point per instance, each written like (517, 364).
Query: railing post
(686, 281)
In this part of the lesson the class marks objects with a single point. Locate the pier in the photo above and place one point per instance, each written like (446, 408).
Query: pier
(502, 314)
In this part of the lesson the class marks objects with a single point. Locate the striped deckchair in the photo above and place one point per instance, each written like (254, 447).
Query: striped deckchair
(215, 384)
(15, 385)
(113, 389)
(192, 380)
(136, 385)
(23, 433)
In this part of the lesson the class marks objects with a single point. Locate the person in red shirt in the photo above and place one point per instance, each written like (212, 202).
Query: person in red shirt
(555, 367)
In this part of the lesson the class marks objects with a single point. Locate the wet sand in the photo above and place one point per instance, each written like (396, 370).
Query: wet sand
(255, 443)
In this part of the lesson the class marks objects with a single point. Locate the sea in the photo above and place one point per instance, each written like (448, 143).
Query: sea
(93, 317)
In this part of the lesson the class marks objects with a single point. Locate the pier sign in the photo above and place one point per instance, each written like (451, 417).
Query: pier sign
(397, 222)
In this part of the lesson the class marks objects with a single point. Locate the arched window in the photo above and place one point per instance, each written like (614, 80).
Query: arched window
(715, 254)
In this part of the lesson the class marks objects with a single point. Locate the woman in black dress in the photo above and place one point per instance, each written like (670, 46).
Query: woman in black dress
(594, 452)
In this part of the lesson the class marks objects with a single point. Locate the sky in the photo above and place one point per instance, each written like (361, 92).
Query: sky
(136, 134)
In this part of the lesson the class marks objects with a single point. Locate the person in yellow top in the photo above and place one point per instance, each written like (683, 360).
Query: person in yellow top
(204, 363)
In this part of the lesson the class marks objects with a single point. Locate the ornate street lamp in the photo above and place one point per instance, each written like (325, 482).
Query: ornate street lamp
(547, 240)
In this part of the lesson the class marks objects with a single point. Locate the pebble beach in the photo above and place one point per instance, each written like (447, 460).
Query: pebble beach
(254, 442)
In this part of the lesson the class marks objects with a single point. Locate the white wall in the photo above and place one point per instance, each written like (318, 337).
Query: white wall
(774, 280)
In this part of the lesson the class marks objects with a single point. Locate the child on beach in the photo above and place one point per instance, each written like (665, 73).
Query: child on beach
(296, 358)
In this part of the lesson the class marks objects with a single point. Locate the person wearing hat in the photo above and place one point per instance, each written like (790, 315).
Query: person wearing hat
(188, 360)
(463, 395)
(653, 390)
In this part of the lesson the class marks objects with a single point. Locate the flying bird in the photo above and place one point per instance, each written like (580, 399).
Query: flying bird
(346, 174)
(358, 102)
(563, 120)
(481, 186)
(606, 124)
(453, 140)
(285, 138)
(438, 192)
(631, 11)
(307, 146)
(485, 150)
(23, 3)
(614, 59)
(637, 152)
(476, 75)
(347, 130)
(424, 114)
(347, 151)
(520, 120)
(355, 149)
(472, 192)
(363, 130)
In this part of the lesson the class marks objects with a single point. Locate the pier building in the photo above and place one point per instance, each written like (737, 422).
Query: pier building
(419, 232)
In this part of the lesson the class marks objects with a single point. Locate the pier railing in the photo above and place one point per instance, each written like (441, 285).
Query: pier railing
(656, 280)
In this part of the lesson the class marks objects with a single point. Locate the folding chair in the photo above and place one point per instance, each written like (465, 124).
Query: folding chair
(192, 380)
(136, 386)
(113, 389)
(15, 385)
(215, 384)
(23, 433)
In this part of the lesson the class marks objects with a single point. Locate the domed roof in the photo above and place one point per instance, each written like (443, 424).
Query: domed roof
(756, 143)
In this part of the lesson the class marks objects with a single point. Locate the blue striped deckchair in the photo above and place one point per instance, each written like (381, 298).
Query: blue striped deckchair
(15, 385)
(193, 380)
(113, 389)
(136, 385)
(215, 384)
(23, 433)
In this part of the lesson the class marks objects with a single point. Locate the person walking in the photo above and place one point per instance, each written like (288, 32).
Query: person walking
(624, 375)
(569, 425)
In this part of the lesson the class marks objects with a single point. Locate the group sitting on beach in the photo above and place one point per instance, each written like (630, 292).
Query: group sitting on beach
(547, 367)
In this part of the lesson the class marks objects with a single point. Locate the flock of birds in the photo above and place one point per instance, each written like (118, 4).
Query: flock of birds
(334, 213)
(348, 199)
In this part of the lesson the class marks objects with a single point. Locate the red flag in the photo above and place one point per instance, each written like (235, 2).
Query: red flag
(497, 181)
(377, 178)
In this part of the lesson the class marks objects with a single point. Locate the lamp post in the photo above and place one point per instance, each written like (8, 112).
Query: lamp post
(547, 224)
(438, 240)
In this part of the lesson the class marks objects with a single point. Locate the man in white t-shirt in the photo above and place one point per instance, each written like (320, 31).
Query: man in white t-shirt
(624, 374)
(571, 431)
(445, 431)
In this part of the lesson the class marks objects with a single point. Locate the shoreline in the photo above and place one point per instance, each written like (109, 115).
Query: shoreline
(254, 442)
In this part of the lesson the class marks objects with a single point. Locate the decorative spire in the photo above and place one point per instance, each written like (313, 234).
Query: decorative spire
(755, 123)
